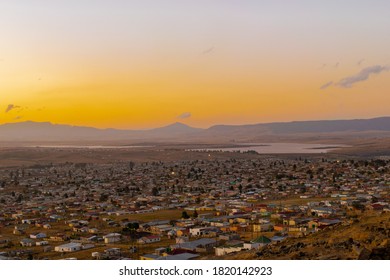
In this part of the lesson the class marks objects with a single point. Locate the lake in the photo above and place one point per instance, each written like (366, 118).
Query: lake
(279, 148)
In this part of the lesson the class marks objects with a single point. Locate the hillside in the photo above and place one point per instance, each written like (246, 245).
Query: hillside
(364, 237)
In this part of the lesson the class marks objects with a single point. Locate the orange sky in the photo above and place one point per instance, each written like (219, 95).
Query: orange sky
(139, 66)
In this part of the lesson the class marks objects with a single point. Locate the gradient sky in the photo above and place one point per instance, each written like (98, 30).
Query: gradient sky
(142, 64)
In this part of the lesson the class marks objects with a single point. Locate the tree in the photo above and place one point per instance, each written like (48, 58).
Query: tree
(103, 197)
(19, 198)
(130, 229)
(155, 191)
(184, 215)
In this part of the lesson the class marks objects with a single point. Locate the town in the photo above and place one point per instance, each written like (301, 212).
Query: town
(181, 210)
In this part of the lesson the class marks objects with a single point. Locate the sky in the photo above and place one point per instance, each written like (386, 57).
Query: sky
(141, 64)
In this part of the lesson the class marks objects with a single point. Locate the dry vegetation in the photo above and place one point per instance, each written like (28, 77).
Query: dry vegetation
(364, 236)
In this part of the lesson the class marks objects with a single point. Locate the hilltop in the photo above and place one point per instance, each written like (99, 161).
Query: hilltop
(365, 236)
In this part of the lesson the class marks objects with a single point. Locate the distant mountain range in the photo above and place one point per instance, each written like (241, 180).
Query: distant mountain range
(47, 132)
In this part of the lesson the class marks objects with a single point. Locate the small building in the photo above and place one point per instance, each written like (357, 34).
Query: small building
(41, 243)
(27, 242)
(257, 243)
(150, 257)
(38, 235)
(149, 239)
(112, 238)
(69, 247)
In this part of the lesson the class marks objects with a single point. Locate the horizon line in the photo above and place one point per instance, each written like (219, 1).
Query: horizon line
(182, 123)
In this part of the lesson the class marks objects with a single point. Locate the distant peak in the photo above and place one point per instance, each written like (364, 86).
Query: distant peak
(178, 124)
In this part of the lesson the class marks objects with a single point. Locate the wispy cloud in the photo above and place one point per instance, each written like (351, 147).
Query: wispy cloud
(208, 50)
(325, 86)
(363, 75)
(322, 66)
(11, 107)
(184, 115)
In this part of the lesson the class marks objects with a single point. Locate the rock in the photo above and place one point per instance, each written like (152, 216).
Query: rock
(364, 254)
(380, 253)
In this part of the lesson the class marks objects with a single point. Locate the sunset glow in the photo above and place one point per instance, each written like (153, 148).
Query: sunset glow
(142, 64)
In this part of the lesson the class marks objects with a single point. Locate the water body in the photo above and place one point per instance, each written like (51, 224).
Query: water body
(279, 148)
(89, 147)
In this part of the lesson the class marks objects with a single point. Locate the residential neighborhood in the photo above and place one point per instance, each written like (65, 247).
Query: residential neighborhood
(181, 210)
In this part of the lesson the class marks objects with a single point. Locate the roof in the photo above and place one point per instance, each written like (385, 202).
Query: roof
(112, 235)
(70, 245)
(183, 256)
(261, 239)
(151, 237)
(151, 256)
(196, 243)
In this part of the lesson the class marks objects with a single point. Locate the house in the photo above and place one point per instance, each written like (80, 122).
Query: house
(200, 245)
(69, 247)
(322, 211)
(112, 238)
(262, 227)
(41, 243)
(150, 257)
(27, 242)
(149, 239)
(230, 247)
(179, 257)
(203, 231)
(258, 242)
(38, 235)
(113, 251)
(93, 230)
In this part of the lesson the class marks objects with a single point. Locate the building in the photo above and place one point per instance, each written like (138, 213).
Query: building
(69, 247)
(149, 239)
(112, 238)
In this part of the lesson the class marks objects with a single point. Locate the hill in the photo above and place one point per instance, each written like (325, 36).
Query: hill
(363, 237)
(45, 131)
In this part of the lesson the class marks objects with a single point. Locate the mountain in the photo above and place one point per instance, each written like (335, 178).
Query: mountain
(377, 124)
(45, 131)
(175, 129)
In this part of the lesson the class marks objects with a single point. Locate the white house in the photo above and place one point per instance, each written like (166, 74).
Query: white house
(149, 239)
(69, 247)
(112, 238)
(221, 251)
(38, 235)
(41, 243)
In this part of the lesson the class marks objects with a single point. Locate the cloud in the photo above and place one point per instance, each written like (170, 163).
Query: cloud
(208, 50)
(363, 75)
(325, 86)
(11, 107)
(185, 115)
(322, 66)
